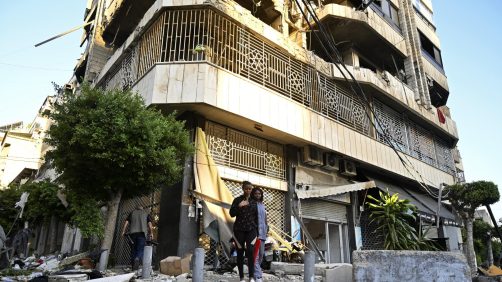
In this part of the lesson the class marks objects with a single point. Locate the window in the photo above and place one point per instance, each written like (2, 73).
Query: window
(423, 10)
(388, 10)
(430, 49)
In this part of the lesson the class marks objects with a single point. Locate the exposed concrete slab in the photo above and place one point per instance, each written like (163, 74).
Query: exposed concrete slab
(409, 266)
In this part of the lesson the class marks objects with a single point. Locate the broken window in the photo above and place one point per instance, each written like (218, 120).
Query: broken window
(430, 49)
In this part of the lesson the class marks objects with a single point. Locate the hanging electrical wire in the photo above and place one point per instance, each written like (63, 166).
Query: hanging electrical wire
(337, 60)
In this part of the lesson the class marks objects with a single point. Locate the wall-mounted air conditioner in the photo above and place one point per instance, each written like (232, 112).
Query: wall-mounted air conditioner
(348, 168)
(331, 162)
(311, 155)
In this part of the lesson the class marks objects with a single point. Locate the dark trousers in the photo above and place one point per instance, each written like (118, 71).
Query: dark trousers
(138, 246)
(245, 238)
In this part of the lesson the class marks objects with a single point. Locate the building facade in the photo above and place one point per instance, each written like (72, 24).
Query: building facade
(319, 124)
(22, 148)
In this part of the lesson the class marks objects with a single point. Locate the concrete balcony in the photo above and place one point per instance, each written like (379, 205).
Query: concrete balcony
(435, 70)
(121, 17)
(367, 30)
(225, 97)
(397, 91)
(228, 46)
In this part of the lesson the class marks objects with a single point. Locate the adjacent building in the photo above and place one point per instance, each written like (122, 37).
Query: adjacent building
(277, 110)
(22, 148)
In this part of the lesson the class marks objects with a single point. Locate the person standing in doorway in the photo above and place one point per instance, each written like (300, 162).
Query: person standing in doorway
(140, 227)
(257, 195)
(244, 210)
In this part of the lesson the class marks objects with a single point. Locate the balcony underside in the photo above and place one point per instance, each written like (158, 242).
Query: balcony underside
(124, 19)
(230, 99)
(361, 36)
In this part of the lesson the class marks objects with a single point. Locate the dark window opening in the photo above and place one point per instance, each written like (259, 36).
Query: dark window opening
(363, 63)
(388, 11)
(431, 50)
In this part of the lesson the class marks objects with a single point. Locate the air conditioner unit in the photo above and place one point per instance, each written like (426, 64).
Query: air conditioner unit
(348, 168)
(311, 155)
(331, 162)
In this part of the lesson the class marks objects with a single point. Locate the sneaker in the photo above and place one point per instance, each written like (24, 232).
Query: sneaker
(252, 280)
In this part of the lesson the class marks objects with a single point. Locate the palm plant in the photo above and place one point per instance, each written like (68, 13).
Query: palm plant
(394, 218)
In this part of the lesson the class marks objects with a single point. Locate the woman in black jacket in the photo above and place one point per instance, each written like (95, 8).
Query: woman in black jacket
(245, 228)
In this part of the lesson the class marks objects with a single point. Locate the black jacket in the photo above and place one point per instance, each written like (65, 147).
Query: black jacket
(246, 217)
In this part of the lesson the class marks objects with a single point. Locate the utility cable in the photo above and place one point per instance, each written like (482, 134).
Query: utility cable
(330, 42)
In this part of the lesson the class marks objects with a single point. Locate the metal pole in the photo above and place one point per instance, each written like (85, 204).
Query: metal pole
(439, 204)
(103, 261)
(309, 267)
(147, 262)
(198, 265)
(493, 220)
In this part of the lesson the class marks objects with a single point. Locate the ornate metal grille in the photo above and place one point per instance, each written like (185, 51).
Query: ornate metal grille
(239, 150)
(444, 156)
(125, 74)
(121, 250)
(391, 127)
(421, 144)
(204, 35)
(274, 201)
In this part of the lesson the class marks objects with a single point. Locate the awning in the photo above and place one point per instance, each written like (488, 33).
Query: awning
(443, 212)
(423, 202)
(324, 191)
(210, 187)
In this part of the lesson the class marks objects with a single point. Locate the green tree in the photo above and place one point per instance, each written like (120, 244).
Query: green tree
(481, 232)
(43, 202)
(466, 198)
(394, 218)
(8, 213)
(109, 145)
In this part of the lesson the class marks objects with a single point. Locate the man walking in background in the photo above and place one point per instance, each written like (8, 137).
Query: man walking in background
(140, 226)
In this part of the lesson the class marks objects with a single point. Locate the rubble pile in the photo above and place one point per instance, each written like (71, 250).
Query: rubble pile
(82, 268)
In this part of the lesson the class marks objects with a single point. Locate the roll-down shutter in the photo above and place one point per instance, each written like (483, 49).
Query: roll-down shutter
(323, 210)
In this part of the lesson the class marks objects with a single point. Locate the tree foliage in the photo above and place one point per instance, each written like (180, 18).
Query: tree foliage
(466, 198)
(108, 143)
(394, 218)
(481, 233)
(43, 202)
(8, 213)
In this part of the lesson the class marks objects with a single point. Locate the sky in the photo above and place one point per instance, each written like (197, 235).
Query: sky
(470, 44)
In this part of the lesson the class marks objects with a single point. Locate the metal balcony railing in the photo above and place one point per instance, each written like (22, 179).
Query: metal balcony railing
(198, 35)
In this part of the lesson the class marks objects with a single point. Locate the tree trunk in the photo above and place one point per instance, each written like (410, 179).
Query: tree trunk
(111, 220)
(489, 251)
(471, 255)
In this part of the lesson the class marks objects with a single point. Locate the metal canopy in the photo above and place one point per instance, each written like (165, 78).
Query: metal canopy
(423, 202)
(323, 191)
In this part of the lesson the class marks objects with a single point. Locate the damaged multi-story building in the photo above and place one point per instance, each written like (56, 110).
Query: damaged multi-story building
(320, 103)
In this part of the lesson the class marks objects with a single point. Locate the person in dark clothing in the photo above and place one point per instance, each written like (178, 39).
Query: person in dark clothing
(140, 226)
(245, 228)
